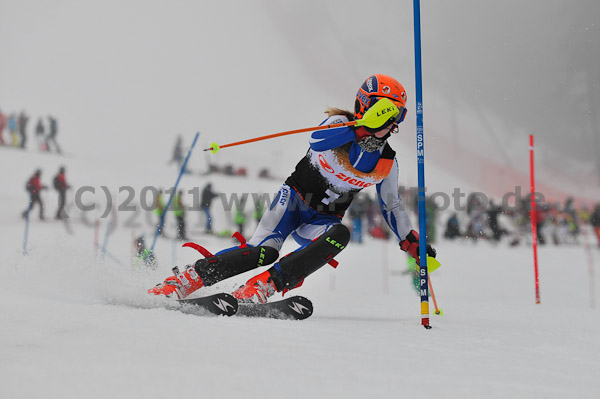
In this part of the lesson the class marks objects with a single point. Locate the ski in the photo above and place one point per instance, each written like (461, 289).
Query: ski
(220, 304)
(292, 308)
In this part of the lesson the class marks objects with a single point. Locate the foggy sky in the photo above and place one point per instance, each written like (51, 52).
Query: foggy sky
(119, 73)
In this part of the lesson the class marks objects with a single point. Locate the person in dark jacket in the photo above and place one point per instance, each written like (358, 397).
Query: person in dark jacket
(52, 131)
(23, 119)
(34, 187)
(40, 135)
(206, 201)
(493, 212)
(452, 228)
(60, 184)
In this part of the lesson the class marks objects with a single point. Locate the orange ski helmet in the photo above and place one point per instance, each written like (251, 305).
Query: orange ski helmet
(378, 86)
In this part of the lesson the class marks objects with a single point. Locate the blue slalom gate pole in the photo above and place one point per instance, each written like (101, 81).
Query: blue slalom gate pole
(164, 214)
(105, 243)
(423, 278)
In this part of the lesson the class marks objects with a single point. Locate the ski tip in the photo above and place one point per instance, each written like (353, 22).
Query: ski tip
(291, 308)
(301, 306)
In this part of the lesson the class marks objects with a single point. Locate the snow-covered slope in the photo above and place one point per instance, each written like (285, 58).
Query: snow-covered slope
(74, 326)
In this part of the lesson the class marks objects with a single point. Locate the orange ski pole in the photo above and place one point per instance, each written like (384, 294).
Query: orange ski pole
(437, 310)
(214, 147)
(380, 113)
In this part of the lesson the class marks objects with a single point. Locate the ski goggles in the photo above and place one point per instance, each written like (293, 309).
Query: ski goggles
(391, 124)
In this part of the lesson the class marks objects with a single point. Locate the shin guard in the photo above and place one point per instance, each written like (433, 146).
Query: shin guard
(231, 263)
(292, 269)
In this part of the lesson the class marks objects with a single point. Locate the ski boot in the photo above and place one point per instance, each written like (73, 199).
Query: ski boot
(214, 268)
(257, 290)
(182, 284)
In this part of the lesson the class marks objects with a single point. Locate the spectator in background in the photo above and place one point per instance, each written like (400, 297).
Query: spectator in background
(571, 219)
(452, 228)
(477, 213)
(40, 135)
(52, 132)
(228, 170)
(239, 218)
(265, 174)
(159, 208)
(143, 254)
(357, 211)
(372, 213)
(23, 119)
(492, 213)
(180, 216)
(60, 184)
(541, 214)
(430, 213)
(13, 127)
(595, 222)
(178, 152)
(34, 187)
(2, 126)
(206, 201)
(259, 211)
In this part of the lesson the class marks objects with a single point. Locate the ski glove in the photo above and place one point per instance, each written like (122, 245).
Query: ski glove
(411, 245)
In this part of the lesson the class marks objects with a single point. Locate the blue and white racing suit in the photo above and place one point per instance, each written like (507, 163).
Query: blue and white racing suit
(322, 186)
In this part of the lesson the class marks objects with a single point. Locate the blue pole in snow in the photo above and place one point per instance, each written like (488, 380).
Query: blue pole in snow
(421, 170)
(162, 219)
(103, 249)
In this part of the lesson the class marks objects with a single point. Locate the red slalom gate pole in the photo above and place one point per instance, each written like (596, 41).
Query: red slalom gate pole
(534, 220)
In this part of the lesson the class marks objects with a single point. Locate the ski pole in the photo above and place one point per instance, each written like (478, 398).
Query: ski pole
(106, 235)
(381, 112)
(438, 311)
(214, 147)
(164, 213)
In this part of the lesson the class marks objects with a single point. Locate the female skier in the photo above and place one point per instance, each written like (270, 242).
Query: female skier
(339, 163)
